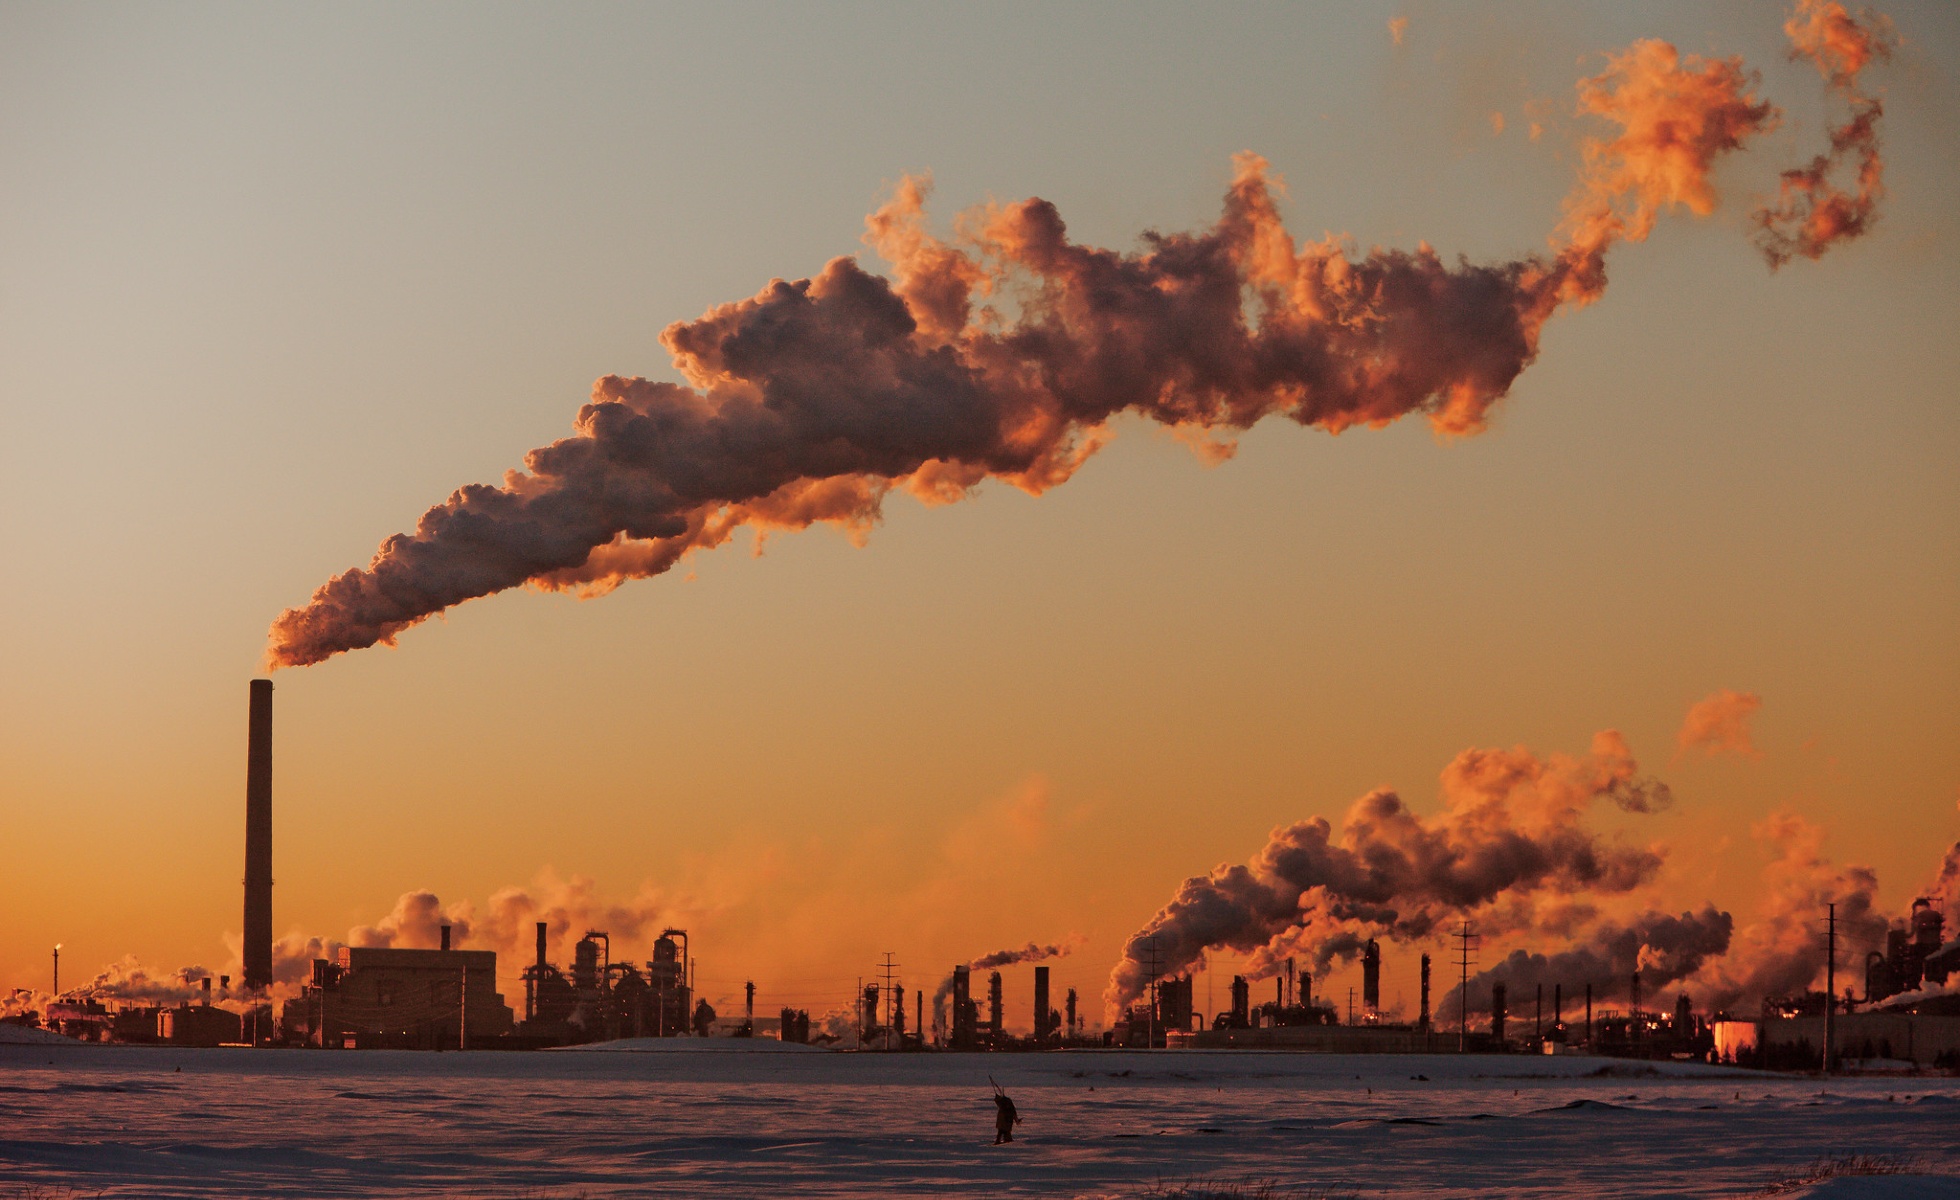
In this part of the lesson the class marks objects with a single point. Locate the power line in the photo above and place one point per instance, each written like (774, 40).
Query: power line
(889, 968)
(1467, 942)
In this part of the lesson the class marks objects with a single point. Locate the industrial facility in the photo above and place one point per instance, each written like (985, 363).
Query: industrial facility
(367, 997)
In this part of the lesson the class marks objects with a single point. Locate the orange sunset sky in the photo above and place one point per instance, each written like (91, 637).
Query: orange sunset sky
(274, 280)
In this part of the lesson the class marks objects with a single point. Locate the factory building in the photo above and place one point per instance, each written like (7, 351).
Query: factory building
(369, 997)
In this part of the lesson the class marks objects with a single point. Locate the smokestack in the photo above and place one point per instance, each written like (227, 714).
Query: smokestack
(258, 838)
(1497, 1013)
(1422, 1021)
(1371, 976)
(541, 938)
(445, 937)
(1041, 1006)
(994, 1006)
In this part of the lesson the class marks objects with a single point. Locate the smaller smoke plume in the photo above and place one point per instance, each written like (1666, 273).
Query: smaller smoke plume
(1812, 212)
(1675, 115)
(1665, 948)
(415, 923)
(1720, 722)
(1512, 832)
(129, 980)
(1945, 888)
(1398, 28)
(1031, 953)
(1782, 952)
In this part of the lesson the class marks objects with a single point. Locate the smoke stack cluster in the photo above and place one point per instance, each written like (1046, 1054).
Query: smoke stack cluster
(1030, 953)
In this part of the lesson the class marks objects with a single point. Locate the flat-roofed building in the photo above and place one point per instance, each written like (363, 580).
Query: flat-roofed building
(406, 999)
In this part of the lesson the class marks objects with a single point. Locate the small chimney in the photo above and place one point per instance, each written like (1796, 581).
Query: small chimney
(207, 991)
(445, 937)
(541, 929)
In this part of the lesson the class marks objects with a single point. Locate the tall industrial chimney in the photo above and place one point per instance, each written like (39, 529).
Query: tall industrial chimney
(1041, 1006)
(1422, 1021)
(258, 839)
(1371, 976)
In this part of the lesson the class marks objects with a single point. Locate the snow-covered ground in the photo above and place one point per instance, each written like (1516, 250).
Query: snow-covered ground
(128, 1121)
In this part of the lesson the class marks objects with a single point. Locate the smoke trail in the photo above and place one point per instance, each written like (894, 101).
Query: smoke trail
(1006, 356)
(1030, 953)
(1720, 722)
(1811, 213)
(1512, 829)
(1665, 948)
(1945, 888)
(130, 981)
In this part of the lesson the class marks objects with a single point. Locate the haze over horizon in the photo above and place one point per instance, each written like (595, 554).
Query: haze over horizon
(279, 279)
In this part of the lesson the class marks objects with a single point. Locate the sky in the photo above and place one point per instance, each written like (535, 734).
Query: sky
(274, 279)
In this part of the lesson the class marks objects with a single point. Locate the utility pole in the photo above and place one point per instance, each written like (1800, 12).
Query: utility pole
(1830, 991)
(57, 970)
(888, 970)
(1466, 946)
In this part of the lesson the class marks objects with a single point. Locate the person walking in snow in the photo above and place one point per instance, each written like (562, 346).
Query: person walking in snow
(1005, 1118)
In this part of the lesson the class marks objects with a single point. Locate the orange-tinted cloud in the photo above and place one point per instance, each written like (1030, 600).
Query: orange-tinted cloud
(1398, 28)
(1676, 116)
(1783, 950)
(1812, 212)
(1719, 722)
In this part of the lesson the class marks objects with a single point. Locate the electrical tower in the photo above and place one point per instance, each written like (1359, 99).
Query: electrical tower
(1466, 950)
(1830, 989)
(888, 970)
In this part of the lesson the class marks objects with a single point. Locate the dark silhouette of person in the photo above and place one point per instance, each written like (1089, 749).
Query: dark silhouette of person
(1005, 1118)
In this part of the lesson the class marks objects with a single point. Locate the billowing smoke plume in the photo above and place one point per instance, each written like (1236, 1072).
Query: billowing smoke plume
(1666, 949)
(1512, 832)
(1031, 953)
(1720, 722)
(1812, 212)
(1782, 951)
(1006, 355)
